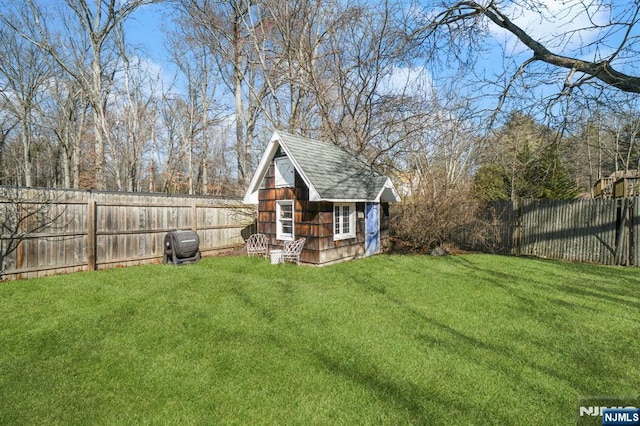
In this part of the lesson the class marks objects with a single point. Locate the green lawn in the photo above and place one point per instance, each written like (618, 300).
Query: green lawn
(474, 339)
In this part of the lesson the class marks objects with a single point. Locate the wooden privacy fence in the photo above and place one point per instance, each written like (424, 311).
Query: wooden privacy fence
(88, 230)
(604, 231)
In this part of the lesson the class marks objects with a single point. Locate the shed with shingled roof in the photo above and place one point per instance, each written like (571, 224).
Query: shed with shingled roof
(317, 190)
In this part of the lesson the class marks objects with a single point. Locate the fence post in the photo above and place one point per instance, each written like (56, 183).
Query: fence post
(631, 260)
(194, 216)
(91, 235)
(620, 257)
(517, 231)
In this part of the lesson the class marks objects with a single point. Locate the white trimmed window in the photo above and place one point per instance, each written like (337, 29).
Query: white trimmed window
(285, 172)
(284, 220)
(344, 221)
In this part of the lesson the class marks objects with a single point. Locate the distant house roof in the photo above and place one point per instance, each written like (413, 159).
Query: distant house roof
(329, 171)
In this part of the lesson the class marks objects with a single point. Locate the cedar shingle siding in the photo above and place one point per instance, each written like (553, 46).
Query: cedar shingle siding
(335, 176)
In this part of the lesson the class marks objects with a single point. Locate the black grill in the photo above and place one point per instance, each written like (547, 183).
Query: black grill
(181, 247)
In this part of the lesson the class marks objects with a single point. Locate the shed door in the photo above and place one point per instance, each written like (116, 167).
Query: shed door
(372, 228)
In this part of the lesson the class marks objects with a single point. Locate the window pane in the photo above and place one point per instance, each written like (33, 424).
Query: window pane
(336, 219)
(285, 220)
(286, 212)
(345, 220)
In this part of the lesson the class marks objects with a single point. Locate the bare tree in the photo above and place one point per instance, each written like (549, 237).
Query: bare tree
(168, 151)
(66, 116)
(197, 64)
(90, 24)
(220, 28)
(24, 212)
(23, 73)
(287, 36)
(133, 107)
(7, 124)
(363, 84)
(608, 36)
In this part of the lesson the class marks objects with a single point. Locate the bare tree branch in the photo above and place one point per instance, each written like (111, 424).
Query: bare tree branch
(602, 70)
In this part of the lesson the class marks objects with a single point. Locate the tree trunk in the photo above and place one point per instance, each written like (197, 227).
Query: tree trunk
(99, 117)
(26, 151)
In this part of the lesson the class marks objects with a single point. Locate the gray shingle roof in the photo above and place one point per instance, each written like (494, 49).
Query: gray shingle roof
(332, 171)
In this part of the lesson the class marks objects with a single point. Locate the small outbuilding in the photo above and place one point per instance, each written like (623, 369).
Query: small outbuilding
(319, 191)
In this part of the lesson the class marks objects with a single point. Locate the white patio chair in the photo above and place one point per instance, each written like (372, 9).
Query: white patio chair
(258, 245)
(291, 251)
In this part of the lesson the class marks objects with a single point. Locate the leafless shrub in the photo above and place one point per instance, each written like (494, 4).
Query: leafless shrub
(23, 212)
(430, 216)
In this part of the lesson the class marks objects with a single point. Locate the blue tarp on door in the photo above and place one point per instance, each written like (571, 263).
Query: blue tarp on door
(372, 228)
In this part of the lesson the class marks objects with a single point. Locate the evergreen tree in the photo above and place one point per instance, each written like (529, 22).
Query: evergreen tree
(525, 162)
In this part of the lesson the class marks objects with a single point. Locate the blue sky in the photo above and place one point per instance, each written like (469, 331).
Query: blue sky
(146, 29)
